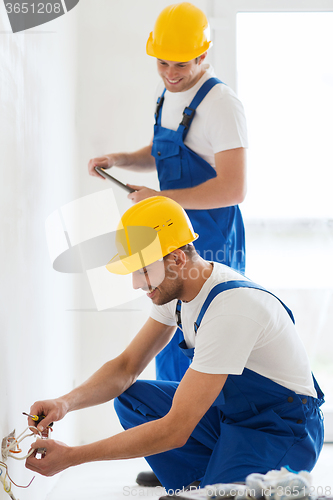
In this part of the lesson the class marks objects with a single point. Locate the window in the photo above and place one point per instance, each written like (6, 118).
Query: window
(277, 56)
(285, 81)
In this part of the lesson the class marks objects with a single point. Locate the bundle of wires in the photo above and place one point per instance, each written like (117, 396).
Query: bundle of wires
(3, 479)
(12, 449)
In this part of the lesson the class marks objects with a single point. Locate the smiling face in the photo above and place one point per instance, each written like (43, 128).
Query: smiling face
(180, 76)
(160, 280)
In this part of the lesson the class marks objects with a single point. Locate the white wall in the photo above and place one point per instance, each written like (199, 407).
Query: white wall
(116, 89)
(37, 150)
(75, 88)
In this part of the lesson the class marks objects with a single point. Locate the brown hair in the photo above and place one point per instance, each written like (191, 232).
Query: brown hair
(188, 249)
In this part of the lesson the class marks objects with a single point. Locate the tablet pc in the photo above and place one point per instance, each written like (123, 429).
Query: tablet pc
(106, 175)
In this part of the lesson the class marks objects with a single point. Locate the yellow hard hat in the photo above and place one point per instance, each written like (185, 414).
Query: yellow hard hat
(181, 33)
(148, 231)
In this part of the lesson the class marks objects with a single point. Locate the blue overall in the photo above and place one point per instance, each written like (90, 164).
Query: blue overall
(221, 230)
(254, 425)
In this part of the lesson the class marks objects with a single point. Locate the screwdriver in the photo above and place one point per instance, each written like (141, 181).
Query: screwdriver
(37, 418)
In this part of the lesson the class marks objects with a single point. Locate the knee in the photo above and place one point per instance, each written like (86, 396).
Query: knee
(144, 400)
(133, 400)
(126, 400)
(118, 405)
(125, 406)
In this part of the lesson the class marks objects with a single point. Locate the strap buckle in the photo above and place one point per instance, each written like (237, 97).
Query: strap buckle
(187, 117)
(158, 106)
(178, 309)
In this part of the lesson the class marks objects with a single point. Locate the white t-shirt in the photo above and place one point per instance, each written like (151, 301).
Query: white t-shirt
(219, 123)
(242, 328)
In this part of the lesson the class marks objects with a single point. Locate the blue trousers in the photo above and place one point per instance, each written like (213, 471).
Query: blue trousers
(224, 448)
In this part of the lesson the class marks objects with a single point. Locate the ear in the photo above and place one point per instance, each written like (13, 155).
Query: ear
(202, 58)
(179, 257)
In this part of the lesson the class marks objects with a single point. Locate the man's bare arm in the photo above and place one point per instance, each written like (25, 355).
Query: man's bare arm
(228, 188)
(194, 396)
(137, 161)
(112, 379)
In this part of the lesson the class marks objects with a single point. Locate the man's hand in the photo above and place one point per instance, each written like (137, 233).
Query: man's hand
(106, 161)
(55, 457)
(137, 161)
(141, 193)
(53, 409)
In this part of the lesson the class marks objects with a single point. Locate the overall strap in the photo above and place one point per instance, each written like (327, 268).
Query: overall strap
(189, 111)
(229, 285)
(159, 105)
(222, 287)
(178, 309)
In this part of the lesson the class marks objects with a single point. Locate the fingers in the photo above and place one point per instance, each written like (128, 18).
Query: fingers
(34, 462)
(135, 196)
(42, 427)
(44, 424)
(36, 409)
(47, 409)
(39, 444)
(140, 193)
(54, 457)
(101, 161)
(31, 422)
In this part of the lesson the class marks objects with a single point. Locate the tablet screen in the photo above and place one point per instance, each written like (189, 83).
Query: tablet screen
(106, 175)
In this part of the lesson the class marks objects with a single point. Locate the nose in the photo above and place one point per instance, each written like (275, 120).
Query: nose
(138, 281)
(171, 73)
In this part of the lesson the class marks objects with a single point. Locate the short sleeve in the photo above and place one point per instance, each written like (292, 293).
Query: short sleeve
(225, 126)
(165, 314)
(224, 344)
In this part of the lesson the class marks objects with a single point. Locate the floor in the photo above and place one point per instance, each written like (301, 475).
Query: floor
(116, 480)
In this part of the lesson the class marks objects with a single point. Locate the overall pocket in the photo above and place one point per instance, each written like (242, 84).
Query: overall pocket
(168, 162)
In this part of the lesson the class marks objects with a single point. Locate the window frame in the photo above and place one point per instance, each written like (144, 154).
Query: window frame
(222, 17)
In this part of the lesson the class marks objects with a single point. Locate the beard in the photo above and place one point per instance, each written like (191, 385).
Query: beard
(171, 289)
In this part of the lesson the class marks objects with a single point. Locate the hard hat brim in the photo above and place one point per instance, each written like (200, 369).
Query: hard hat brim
(168, 55)
(131, 263)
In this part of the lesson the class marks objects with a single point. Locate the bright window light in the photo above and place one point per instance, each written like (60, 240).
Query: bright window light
(285, 81)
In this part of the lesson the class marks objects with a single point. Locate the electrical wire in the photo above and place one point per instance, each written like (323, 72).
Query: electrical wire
(6, 487)
(10, 450)
(14, 448)
(5, 466)
(22, 458)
